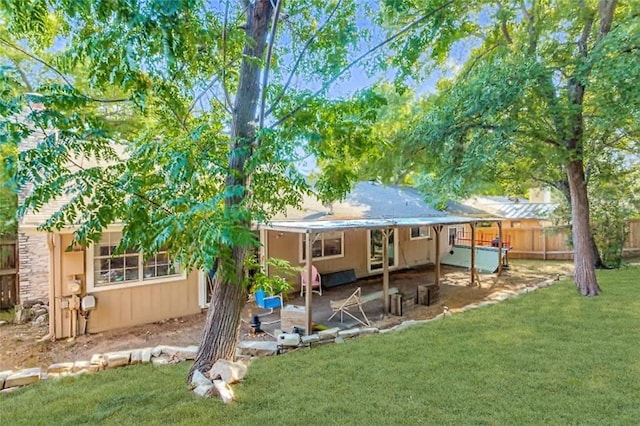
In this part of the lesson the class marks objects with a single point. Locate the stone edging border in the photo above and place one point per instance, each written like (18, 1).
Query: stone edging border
(163, 354)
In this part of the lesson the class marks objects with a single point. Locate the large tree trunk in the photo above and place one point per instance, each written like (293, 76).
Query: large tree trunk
(563, 186)
(583, 260)
(220, 335)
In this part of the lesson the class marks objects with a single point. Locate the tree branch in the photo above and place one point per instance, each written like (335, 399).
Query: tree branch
(388, 40)
(227, 97)
(300, 56)
(59, 73)
(265, 74)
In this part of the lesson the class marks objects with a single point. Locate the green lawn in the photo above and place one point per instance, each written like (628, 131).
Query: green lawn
(550, 357)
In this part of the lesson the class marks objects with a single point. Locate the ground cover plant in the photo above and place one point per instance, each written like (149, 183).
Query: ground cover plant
(544, 358)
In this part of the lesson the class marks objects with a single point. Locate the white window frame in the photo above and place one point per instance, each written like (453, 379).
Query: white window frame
(320, 236)
(90, 276)
(420, 236)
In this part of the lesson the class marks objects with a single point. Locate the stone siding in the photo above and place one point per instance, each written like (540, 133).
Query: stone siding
(32, 247)
(34, 267)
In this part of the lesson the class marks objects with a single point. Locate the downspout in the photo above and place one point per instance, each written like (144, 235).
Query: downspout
(52, 322)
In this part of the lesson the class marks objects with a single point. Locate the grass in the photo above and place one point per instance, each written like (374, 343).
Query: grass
(550, 357)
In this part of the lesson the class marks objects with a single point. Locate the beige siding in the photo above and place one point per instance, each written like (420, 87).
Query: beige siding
(144, 304)
(117, 308)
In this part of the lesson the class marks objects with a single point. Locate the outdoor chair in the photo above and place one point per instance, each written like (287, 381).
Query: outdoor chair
(315, 281)
(264, 301)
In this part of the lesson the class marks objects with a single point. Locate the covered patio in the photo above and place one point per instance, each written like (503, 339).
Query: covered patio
(312, 229)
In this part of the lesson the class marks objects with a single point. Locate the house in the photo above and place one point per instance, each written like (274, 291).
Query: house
(354, 235)
(376, 229)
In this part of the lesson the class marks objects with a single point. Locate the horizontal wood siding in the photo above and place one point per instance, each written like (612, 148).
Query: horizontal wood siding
(144, 304)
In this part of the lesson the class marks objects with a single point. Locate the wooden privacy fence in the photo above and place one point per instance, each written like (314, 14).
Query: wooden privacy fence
(8, 274)
(550, 242)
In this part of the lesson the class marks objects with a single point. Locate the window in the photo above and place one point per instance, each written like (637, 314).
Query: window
(420, 232)
(129, 267)
(325, 246)
(455, 233)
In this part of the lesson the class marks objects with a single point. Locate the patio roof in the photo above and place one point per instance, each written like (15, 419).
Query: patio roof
(318, 226)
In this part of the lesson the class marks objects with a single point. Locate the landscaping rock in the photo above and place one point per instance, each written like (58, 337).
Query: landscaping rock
(188, 353)
(224, 390)
(199, 379)
(41, 320)
(3, 323)
(307, 340)
(329, 333)
(205, 390)
(82, 367)
(338, 340)
(351, 332)
(229, 371)
(146, 355)
(23, 377)
(117, 359)
(60, 369)
(3, 377)
(98, 359)
(369, 330)
(257, 348)
(160, 361)
(136, 357)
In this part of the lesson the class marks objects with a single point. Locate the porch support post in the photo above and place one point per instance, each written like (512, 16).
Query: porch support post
(473, 252)
(385, 269)
(264, 250)
(500, 247)
(309, 290)
(437, 229)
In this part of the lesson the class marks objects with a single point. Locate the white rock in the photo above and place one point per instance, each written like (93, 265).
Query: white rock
(306, 340)
(369, 330)
(157, 351)
(98, 359)
(23, 377)
(229, 371)
(205, 390)
(351, 332)
(136, 357)
(60, 368)
(329, 333)
(199, 379)
(188, 352)
(257, 348)
(146, 355)
(3, 323)
(117, 359)
(3, 377)
(338, 340)
(224, 390)
(86, 367)
(160, 361)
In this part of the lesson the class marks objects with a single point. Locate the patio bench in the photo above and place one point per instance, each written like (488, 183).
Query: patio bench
(335, 279)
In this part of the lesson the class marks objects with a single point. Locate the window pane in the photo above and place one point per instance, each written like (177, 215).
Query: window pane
(131, 274)
(149, 272)
(415, 232)
(333, 247)
(131, 261)
(117, 262)
(316, 248)
(304, 249)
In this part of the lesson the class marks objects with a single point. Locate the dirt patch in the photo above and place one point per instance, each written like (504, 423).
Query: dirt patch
(20, 346)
